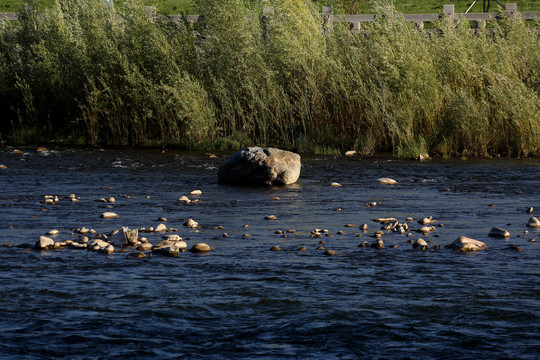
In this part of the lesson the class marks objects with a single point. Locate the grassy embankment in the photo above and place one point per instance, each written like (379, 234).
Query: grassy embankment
(93, 77)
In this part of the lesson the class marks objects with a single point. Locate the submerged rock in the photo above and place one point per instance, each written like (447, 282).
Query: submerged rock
(498, 232)
(191, 224)
(260, 166)
(420, 243)
(465, 244)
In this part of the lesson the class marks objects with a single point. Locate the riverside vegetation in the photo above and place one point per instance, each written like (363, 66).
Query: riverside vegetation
(88, 75)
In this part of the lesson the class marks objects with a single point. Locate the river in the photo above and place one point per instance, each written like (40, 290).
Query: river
(243, 301)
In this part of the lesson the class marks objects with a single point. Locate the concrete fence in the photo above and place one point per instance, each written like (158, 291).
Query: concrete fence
(355, 21)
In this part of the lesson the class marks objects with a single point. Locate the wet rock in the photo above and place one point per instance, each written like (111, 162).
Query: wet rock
(109, 249)
(17, 152)
(111, 200)
(363, 244)
(196, 193)
(109, 215)
(271, 217)
(385, 220)
(191, 224)
(260, 166)
(125, 237)
(302, 249)
(377, 245)
(364, 227)
(201, 248)
(44, 243)
(160, 228)
(426, 229)
(145, 247)
(465, 244)
(184, 199)
(498, 232)
(335, 184)
(420, 243)
(330, 253)
(171, 246)
(97, 245)
(386, 181)
(275, 248)
(2, 166)
(533, 222)
(427, 221)
(137, 255)
(52, 232)
(423, 157)
(529, 210)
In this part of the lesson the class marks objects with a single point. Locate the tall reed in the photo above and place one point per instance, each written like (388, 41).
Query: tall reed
(131, 78)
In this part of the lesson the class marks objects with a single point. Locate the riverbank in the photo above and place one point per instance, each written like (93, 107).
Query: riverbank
(84, 76)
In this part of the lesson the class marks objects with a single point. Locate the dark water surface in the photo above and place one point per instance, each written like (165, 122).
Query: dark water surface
(243, 301)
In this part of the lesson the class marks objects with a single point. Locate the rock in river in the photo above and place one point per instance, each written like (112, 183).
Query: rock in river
(260, 166)
(109, 215)
(44, 243)
(465, 244)
(386, 181)
(498, 232)
(533, 222)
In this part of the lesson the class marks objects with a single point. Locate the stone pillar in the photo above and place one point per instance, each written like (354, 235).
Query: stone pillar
(328, 18)
(448, 11)
(268, 12)
(511, 10)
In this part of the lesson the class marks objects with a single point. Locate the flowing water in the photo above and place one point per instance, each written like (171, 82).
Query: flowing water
(243, 301)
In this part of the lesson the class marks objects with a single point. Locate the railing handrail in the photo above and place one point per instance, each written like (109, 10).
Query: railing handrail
(511, 9)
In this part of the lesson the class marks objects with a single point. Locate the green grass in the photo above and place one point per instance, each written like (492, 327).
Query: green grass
(84, 74)
(341, 6)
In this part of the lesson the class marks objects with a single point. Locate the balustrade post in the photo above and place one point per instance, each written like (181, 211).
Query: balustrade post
(268, 12)
(328, 18)
(448, 11)
(511, 10)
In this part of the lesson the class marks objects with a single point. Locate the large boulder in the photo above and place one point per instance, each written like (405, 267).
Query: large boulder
(258, 166)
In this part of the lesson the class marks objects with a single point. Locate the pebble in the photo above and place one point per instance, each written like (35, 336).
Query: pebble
(53, 232)
(330, 252)
(426, 229)
(160, 228)
(196, 193)
(339, 233)
(532, 240)
(335, 184)
(17, 152)
(351, 225)
(111, 200)
(427, 221)
(364, 227)
(201, 248)
(498, 232)
(145, 247)
(302, 249)
(377, 245)
(137, 255)
(363, 244)
(386, 181)
(2, 166)
(275, 248)
(191, 224)
(271, 217)
(184, 199)
(109, 215)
